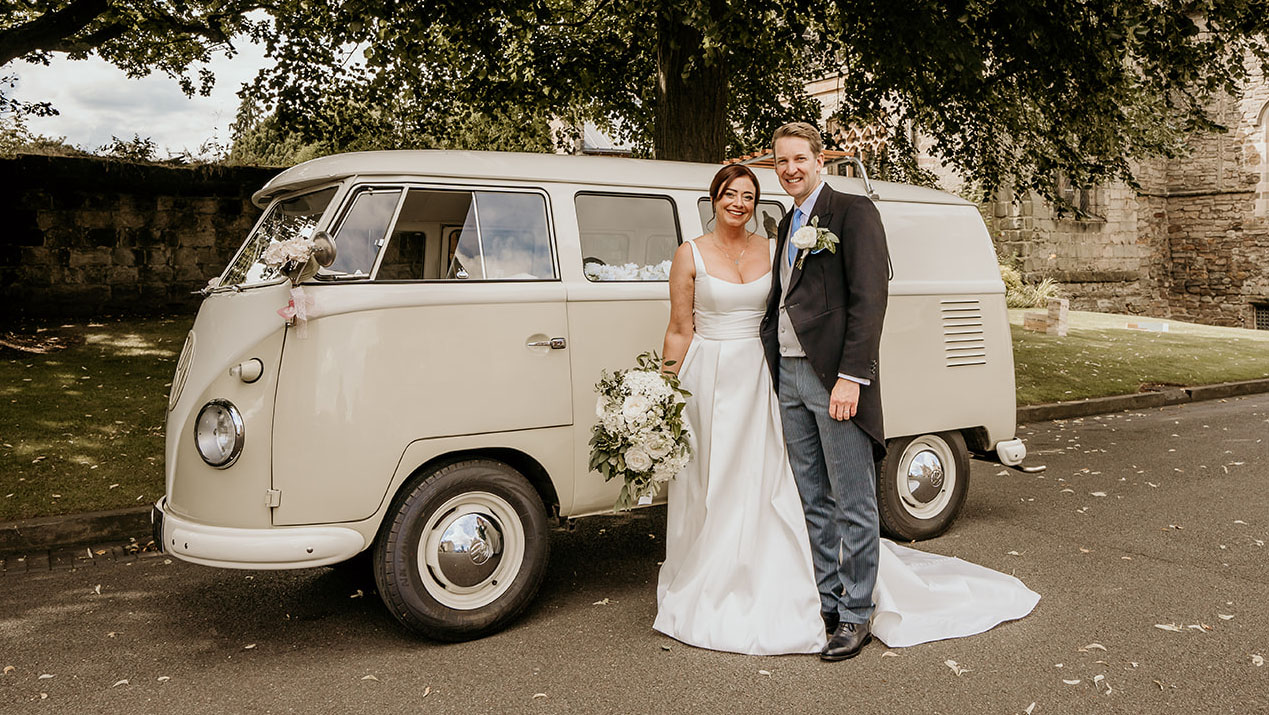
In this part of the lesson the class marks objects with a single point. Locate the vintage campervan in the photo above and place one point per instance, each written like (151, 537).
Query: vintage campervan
(427, 397)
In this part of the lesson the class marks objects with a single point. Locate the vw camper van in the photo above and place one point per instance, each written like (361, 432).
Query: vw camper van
(427, 397)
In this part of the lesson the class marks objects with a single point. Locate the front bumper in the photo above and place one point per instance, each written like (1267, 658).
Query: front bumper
(291, 547)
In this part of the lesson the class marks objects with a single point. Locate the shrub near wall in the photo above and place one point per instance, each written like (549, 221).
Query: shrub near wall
(91, 236)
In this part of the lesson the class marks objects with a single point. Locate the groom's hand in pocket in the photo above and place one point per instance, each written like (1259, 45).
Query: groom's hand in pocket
(844, 399)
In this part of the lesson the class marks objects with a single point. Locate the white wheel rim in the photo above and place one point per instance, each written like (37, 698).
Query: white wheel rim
(492, 511)
(926, 477)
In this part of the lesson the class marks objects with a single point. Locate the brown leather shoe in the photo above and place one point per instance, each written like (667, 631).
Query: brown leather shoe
(846, 642)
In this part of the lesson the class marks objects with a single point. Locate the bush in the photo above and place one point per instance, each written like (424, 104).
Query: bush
(1020, 294)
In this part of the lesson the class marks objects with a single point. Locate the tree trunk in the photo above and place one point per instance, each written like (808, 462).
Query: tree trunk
(690, 121)
(50, 31)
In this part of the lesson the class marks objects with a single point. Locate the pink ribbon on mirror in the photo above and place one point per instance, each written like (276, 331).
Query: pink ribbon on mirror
(298, 310)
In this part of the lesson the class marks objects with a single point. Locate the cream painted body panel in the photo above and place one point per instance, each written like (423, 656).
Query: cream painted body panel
(611, 331)
(550, 447)
(610, 323)
(944, 268)
(230, 328)
(386, 365)
(921, 394)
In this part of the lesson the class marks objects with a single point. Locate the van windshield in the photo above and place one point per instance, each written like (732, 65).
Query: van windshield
(295, 217)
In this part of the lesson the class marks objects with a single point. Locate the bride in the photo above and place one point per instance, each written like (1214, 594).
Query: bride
(737, 574)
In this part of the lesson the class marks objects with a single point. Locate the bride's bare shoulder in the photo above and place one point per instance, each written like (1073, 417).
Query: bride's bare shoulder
(684, 253)
(685, 249)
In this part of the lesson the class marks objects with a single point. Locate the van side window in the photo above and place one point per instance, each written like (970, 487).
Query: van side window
(361, 232)
(444, 234)
(767, 215)
(626, 237)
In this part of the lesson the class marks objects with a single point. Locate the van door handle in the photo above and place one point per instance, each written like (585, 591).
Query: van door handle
(553, 343)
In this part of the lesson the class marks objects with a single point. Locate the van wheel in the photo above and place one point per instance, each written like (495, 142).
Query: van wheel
(464, 550)
(922, 484)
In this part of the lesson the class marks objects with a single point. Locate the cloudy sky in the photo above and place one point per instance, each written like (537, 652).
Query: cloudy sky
(97, 102)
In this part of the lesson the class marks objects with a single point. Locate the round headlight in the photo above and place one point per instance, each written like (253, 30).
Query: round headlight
(218, 433)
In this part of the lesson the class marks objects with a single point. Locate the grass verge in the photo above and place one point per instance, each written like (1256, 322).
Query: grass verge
(1101, 356)
(82, 409)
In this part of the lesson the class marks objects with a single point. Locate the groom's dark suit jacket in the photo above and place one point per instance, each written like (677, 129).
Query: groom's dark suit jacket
(836, 302)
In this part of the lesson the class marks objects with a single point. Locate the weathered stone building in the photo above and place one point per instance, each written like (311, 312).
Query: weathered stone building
(1192, 244)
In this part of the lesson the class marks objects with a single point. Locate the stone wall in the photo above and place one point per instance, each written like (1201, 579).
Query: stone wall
(91, 236)
(1191, 244)
(1217, 243)
(1099, 257)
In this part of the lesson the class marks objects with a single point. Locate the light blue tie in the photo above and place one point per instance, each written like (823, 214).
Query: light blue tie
(794, 225)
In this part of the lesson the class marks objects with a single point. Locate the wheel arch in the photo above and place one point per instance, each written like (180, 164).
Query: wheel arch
(976, 438)
(529, 467)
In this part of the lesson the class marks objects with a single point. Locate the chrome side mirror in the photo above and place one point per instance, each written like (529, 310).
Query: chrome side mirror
(323, 248)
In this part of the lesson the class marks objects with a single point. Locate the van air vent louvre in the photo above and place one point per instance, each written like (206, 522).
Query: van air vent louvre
(963, 342)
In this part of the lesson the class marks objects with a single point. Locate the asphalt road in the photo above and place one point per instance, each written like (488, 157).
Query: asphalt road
(1151, 518)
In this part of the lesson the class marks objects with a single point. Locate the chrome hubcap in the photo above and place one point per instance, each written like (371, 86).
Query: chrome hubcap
(926, 476)
(470, 550)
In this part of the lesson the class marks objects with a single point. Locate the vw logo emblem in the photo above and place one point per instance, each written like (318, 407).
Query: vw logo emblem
(479, 551)
(936, 478)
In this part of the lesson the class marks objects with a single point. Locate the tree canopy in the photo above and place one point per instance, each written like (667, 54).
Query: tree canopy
(1008, 93)
(687, 80)
(138, 37)
(1019, 93)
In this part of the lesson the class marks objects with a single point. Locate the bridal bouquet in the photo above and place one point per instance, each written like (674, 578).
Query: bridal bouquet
(640, 436)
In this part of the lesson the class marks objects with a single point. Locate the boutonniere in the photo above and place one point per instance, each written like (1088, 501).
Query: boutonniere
(815, 239)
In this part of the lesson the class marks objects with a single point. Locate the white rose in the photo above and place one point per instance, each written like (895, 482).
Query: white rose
(635, 408)
(601, 406)
(805, 237)
(658, 448)
(638, 460)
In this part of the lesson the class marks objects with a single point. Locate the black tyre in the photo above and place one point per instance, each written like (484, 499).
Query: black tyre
(922, 484)
(463, 551)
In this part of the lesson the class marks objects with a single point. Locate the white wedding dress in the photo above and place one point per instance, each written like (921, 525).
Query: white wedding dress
(737, 574)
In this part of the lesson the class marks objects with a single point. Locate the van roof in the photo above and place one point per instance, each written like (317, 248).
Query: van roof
(561, 168)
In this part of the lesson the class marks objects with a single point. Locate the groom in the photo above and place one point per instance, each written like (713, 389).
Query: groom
(821, 334)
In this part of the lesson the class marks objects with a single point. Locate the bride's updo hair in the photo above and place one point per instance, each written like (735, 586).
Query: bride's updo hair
(728, 174)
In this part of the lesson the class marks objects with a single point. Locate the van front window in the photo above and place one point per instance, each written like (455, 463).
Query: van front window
(289, 218)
